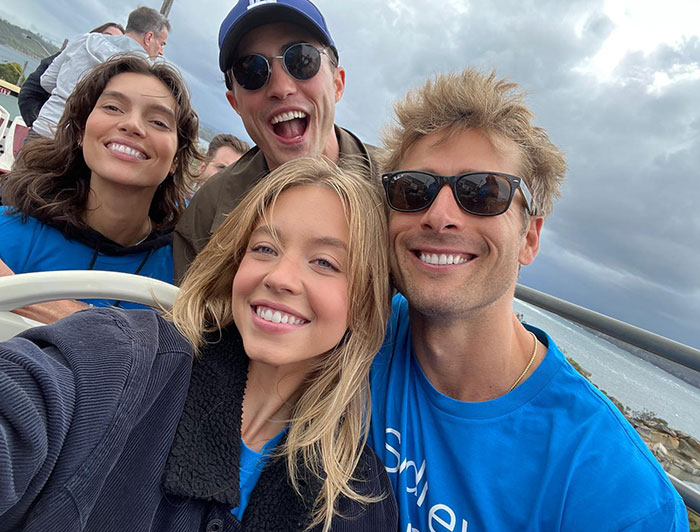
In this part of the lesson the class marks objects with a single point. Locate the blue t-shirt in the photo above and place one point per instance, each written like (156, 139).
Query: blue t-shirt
(553, 454)
(252, 465)
(32, 246)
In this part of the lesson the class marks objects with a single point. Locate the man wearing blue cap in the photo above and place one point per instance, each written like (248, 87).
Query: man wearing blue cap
(283, 78)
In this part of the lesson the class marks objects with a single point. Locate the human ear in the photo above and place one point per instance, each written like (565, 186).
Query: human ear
(531, 241)
(339, 83)
(231, 97)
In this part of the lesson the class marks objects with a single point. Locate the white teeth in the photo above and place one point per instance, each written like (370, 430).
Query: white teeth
(434, 258)
(275, 316)
(126, 149)
(289, 115)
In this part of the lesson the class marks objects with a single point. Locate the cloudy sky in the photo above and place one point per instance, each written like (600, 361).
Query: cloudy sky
(616, 84)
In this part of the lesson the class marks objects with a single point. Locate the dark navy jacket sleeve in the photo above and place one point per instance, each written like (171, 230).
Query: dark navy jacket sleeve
(37, 400)
(70, 395)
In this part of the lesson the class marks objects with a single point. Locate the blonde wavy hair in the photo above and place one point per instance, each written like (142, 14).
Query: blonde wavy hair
(473, 100)
(329, 421)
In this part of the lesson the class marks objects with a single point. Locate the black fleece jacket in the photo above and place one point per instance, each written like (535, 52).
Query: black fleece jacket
(205, 456)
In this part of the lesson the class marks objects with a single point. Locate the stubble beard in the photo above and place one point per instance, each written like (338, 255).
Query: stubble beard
(465, 301)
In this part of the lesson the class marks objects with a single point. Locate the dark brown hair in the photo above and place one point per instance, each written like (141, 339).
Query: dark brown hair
(51, 180)
(101, 28)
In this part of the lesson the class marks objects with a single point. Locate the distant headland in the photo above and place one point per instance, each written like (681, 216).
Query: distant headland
(25, 41)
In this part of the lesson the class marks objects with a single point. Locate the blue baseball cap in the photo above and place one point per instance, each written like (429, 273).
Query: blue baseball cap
(249, 14)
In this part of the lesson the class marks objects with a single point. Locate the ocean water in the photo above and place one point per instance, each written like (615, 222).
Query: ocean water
(636, 383)
(8, 55)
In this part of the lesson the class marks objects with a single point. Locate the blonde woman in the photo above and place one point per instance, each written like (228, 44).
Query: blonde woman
(111, 423)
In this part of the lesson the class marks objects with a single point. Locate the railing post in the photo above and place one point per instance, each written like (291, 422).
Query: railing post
(165, 8)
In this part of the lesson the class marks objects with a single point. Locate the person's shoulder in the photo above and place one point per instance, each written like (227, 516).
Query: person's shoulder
(10, 217)
(19, 235)
(80, 39)
(635, 482)
(370, 479)
(74, 45)
(18, 223)
(354, 149)
(101, 46)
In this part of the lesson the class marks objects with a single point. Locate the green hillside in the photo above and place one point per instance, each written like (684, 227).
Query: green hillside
(25, 41)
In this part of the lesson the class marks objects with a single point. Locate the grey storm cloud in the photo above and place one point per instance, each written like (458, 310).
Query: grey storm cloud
(624, 238)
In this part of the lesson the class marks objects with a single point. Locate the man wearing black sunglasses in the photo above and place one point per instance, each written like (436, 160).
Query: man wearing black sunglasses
(481, 422)
(281, 69)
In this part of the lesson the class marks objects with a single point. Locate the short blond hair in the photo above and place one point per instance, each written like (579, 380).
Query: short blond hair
(473, 100)
(329, 421)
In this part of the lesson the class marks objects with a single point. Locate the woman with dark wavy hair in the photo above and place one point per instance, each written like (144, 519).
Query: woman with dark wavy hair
(106, 193)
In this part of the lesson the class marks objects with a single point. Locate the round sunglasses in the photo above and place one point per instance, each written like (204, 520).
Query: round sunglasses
(479, 193)
(301, 60)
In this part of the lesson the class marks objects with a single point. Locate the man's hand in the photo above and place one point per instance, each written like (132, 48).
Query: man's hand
(45, 312)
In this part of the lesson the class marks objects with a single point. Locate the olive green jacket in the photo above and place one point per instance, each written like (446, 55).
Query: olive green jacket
(219, 195)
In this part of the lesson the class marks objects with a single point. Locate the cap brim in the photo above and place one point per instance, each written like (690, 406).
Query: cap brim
(264, 14)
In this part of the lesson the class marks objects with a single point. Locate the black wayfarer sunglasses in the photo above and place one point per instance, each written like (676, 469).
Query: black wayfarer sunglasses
(479, 193)
(301, 60)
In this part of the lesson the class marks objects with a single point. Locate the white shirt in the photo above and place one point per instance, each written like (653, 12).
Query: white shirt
(63, 74)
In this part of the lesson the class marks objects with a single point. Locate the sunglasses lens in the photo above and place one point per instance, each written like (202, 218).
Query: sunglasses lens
(251, 72)
(411, 191)
(485, 194)
(302, 61)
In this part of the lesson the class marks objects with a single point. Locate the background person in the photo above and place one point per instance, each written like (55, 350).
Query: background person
(287, 105)
(32, 95)
(268, 439)
(500, 431)
(106, 193)
(146, 32)
(223, 151)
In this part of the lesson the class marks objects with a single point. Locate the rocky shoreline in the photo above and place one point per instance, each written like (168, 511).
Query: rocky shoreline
(677, 452)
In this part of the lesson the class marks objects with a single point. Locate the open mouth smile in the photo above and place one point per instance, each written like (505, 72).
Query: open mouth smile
(290, 125)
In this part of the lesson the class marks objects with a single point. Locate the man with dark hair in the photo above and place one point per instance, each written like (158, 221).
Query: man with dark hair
(32, 95)
(223, 151)
(283, 79)
(481, 422)
(146, 32)
(149, 28)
